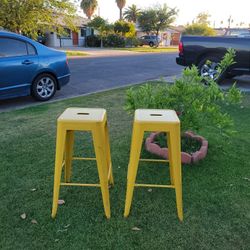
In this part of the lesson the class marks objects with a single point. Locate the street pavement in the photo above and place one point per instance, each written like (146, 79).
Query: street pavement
(108, 69)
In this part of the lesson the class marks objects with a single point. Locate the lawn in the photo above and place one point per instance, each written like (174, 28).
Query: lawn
(75, 53)
(216, 192)
(151, 49)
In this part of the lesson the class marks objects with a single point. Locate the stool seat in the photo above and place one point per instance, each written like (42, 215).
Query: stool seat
(82, 115)
(156, 115)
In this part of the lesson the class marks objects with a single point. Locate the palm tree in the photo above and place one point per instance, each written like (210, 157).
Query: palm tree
(89, 7)
(132, 13)
(120, 4)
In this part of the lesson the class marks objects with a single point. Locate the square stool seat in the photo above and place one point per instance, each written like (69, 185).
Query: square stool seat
(82, 115)
(156, 115)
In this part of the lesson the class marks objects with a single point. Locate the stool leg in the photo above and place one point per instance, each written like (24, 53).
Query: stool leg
(109, 162)
(176, 162)
(170, 160)
(69, 146)
(135, 151)
(99, 144)
(60, 144)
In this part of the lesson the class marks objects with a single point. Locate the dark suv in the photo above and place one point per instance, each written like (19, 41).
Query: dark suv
(149, 40)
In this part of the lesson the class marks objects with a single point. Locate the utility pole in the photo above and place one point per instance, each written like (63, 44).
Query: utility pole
(229, 20)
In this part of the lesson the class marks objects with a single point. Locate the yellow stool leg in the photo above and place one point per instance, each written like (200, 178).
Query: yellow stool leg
(176, 166)
(60, 144)
(99, 144)
(69, 146)
(170, 160)
(109, 162)
(136, 144)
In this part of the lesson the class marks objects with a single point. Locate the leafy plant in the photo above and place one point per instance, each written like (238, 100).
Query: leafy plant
(114, 40)
(200, 29)
(93, 41)
(157, 18)
(198, 105)
(27, 17)
(89, 7)
(102, 26)
(188, 144)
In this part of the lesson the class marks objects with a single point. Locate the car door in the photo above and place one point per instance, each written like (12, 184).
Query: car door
(18, 65)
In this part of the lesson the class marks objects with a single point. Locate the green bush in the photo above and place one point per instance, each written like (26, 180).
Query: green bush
(93, 41)
(198, 105)
(199, 29)
(132, 42)
(114, 40)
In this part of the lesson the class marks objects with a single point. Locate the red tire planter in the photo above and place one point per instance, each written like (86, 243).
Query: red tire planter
(186, 158)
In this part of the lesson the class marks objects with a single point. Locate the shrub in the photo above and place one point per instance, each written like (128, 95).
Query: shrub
(199, 29)
(132, 42)
(197, 104)
(93, 41)
(114, 40)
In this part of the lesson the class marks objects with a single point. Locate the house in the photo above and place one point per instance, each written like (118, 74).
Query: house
(169, 37)
(70, 38)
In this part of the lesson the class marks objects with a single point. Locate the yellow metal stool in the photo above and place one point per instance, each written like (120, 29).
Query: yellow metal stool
(156, 120)
(83, 119)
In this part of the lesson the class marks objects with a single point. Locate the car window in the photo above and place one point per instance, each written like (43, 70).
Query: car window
(12, 47)
(31, 49)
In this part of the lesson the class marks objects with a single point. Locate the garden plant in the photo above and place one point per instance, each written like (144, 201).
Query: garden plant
(197, 100)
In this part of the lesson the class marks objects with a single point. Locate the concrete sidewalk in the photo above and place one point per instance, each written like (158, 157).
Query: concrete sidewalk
(98, 52)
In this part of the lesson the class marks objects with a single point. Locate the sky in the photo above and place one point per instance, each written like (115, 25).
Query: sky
(220, 10)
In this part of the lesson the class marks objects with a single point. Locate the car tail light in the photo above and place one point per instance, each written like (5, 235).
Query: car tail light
(180, 48)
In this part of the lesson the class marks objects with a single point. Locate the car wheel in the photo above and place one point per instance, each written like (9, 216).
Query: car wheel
(44, 87)
(208, 67)
(151, 44)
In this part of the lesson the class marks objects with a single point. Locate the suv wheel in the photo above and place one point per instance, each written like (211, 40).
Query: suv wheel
(151, 44)
(44, 87)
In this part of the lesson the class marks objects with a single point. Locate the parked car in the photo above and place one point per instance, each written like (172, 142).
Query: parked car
(245, 34)
(149, 40)
(199, 50)
(29, 68)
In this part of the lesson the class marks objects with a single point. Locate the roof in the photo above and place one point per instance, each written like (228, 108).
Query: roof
(78, 21)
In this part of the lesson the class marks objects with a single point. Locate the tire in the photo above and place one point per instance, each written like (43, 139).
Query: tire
(151, 44)
(44, 87)
(230, 76)
(210, 69)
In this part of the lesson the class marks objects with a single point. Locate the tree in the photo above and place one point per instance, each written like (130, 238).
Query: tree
(121, 27)
(89, 7)
(157, 18)
(124, 28)
(102, 26)
(28, 17)
(131, 13)
(121, 4)
(199, 30)
(202, 18)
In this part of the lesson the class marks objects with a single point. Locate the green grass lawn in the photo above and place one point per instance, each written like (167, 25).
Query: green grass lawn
(151, 49)
(75, 53)
(216, 192)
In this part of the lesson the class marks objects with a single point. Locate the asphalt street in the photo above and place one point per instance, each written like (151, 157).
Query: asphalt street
(107, 69)
(94, 74)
